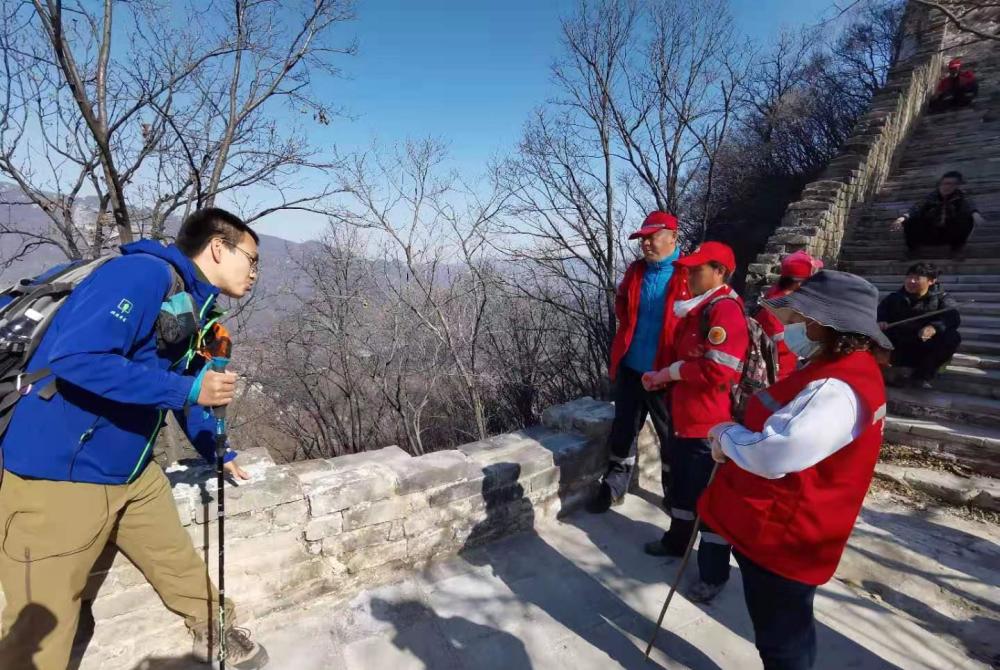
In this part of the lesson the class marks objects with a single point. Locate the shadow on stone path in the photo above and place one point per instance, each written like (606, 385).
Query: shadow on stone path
(539, 575)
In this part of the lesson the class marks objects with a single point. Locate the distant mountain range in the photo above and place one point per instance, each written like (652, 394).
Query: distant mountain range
(279, 272)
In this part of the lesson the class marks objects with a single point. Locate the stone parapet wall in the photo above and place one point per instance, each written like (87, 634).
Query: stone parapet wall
(819, 220)
(316, 528)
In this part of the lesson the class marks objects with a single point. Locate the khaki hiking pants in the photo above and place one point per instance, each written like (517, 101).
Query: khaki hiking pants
(53, 533)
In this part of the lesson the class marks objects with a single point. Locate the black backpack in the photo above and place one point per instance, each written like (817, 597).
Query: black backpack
(760, 369)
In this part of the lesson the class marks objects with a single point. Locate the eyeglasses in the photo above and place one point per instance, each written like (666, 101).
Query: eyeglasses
(254, 260)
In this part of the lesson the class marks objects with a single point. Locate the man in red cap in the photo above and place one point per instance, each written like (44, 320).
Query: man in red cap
(795, 269)
(956, 89)
(644, 309)
(710, 346)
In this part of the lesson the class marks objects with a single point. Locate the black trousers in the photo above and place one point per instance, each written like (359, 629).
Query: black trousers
(632, 404)
(946, 101)
(924, 357)
(691, 465)
(922, 232)
(781, 610)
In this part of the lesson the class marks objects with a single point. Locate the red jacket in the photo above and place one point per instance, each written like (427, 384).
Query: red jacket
(797, 526)
(710, 361)
(787, 361)
(965, 81)
(627, 313)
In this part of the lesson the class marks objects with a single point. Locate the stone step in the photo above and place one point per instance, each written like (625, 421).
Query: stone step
(979, 346)
(952, 281)
(945, 265)
(971, 381)
(981, 361)
(975, 446)
(944, 405)
(974, 491)
(897, 251)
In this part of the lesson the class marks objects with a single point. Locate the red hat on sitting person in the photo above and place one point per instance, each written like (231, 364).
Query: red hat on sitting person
(708, 252)
(800, 265)
(955, 64)
(654, 223)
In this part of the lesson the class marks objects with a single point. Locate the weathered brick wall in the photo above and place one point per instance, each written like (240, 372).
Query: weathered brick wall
(329, 527)
(819, 220)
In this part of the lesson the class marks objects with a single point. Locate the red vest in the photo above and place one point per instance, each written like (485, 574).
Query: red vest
(627, 313)
(797, 526)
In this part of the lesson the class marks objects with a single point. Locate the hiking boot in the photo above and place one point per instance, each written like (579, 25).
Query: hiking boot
(703, 592)
(242, 653)
(603, 500)
(661, 550)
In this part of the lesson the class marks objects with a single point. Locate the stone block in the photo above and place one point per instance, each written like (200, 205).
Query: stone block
(432, 543)
(340, 489)
(324, 526)
(280, 487)
(248, 524)
(372, 513)
(384, 455)
(432, 470)
(350, 542)
(265, 553)
(457, 491)
(545, 480)
(291, 515)
(374, 556)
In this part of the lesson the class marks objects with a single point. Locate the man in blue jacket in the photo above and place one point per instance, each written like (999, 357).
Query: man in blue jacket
(78, 471)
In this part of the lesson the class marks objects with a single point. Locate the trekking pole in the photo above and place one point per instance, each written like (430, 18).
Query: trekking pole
(924, 316)
(224, 347)
(680, 572)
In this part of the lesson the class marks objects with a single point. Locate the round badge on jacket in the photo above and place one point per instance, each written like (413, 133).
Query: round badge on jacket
(717, 335)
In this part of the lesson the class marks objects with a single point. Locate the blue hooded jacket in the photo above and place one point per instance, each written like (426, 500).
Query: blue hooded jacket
(114, 383)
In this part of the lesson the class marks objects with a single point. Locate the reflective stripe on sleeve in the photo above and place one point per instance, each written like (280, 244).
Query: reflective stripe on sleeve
(722, 358)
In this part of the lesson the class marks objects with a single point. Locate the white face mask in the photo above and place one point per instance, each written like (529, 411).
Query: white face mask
(799, 342)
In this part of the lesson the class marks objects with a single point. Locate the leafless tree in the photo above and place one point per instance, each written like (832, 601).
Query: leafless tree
(185, 112)
(647, 95)
(430, 232)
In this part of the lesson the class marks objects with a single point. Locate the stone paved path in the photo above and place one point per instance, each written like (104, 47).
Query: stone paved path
(579, 595)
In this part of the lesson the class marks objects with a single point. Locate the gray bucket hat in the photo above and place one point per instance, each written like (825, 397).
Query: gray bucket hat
(839, 300)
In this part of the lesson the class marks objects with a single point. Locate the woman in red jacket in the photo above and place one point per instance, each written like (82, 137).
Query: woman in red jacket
(795, 269)
(795, 474)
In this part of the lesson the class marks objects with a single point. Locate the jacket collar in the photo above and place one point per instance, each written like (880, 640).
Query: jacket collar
(684, 307)
(194, 283)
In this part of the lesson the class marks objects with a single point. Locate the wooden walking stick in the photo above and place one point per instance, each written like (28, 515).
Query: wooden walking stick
(680, 572)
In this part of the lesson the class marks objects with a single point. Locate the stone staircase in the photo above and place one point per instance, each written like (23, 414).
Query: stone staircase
(961, 416)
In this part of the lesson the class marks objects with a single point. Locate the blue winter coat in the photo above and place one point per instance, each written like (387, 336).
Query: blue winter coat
(114, 384)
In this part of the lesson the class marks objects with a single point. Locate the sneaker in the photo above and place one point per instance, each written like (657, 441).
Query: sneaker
(242, 653)
(603, 500)
(703, 592)
(658, 548)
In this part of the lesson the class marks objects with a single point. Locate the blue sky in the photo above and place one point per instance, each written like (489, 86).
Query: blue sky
(468, 72)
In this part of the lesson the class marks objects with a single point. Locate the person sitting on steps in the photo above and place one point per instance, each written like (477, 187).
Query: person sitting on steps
(924, 344)
(945, 217)
(956, 89)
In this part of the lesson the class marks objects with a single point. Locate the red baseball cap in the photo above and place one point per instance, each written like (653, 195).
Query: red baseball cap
(654, 223)
(708, 252)
(955, 64)
(800, 265)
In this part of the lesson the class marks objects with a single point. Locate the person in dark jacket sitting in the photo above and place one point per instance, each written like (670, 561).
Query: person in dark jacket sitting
(946, 217)
(924, 344)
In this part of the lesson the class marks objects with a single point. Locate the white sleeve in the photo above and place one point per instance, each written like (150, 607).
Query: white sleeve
(822, 418)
